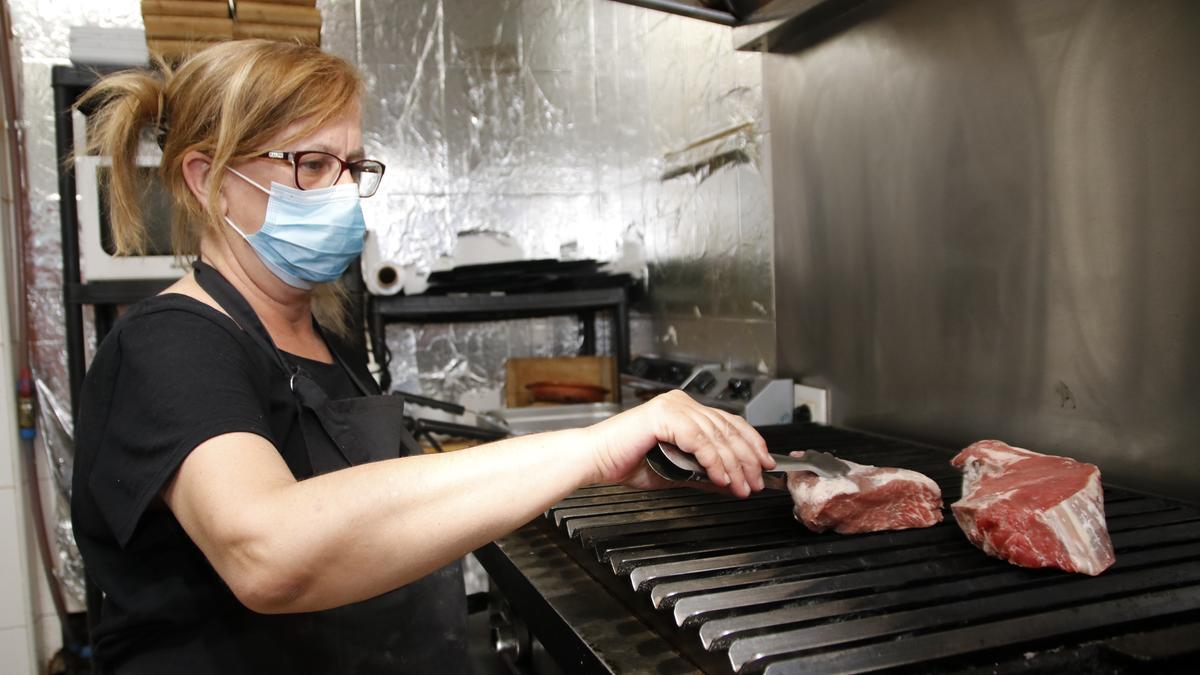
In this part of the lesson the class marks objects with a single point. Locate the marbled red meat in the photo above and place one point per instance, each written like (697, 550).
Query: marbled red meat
(867, 499)
(1033, 510)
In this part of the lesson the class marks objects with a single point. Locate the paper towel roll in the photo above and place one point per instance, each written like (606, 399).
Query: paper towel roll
(382, 276)
(386, 278)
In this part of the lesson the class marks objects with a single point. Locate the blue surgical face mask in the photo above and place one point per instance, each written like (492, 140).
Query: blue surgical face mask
(308, 236)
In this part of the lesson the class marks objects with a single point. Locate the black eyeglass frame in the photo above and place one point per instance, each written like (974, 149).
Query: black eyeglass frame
(295, 156)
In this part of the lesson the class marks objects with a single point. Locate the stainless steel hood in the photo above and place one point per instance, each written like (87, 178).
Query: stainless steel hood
(762, 25)
(725, 12)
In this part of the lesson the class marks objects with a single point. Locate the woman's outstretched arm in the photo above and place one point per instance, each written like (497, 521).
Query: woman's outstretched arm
(291, 546)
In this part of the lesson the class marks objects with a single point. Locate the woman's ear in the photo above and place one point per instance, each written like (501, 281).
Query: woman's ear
(196, 174)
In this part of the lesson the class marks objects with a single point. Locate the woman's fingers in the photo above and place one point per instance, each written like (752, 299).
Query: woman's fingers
(752, 447)
(720, 459)
(729, 449)
(735, 455)
(732, 453)
(752, 464)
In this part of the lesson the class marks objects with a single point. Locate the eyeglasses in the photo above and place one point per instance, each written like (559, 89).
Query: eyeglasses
(315, 169)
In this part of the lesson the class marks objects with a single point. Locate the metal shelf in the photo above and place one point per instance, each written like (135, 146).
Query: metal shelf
(483, 307)
(114, 292)
(488, 307)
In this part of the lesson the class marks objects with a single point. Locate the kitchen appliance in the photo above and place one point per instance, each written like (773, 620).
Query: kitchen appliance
(613, 579)
(650, 375)
(758, 398)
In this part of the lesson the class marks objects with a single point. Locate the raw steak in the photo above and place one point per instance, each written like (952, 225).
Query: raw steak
(1033, 510)
(868, 499)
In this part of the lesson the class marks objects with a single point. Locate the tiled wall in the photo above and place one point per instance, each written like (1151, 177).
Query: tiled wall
(16, 614)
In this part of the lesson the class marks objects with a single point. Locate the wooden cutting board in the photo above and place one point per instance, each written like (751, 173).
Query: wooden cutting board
(596, 370)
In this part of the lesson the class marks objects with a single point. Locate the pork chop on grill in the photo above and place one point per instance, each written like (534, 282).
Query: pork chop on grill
(1033, 510)
(866, 499)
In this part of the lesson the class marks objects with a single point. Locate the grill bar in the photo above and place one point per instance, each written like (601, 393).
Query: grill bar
(683, 523)
(625, 560)
(1013, 631)
(763, 593)
(1001, 603)
(760, 564)
(631, 520)
(720, 632)
(631, 545)
(665, 594)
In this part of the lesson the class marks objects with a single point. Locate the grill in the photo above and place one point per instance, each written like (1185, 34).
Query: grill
(668, 581)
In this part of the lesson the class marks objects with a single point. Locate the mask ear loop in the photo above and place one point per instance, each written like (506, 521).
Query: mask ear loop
(249, 180)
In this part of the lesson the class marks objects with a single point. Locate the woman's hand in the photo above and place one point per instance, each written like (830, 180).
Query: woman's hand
(730, 450)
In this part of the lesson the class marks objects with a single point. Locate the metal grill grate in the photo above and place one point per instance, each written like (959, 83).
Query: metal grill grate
(745, 582)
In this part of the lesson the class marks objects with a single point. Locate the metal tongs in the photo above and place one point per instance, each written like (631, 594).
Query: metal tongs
(672, 463)
(486, 420)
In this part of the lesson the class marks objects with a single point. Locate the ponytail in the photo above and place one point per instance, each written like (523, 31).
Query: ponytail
(126, 105)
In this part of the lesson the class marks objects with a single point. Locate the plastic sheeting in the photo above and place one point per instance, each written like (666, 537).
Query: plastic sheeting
(56, 442)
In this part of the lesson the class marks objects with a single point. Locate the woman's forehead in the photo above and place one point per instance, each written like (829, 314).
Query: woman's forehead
(338, 136)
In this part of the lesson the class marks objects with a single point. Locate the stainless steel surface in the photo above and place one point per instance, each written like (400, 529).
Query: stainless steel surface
(778, 25)
(759, 399)
(668, 461)
(552, 417)
(741, 343)
(986, 227)
(688, 8)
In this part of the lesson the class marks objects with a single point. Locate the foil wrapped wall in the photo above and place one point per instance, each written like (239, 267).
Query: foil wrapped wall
(577, 128)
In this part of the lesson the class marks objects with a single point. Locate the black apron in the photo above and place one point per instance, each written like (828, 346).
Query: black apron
(418, 628)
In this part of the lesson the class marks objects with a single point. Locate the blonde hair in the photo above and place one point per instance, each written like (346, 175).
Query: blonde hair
(228, 102)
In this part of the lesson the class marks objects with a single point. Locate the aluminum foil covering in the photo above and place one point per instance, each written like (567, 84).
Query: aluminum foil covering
(465, 361)
(579, 129)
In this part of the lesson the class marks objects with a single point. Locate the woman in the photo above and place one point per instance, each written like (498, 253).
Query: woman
(242, 496)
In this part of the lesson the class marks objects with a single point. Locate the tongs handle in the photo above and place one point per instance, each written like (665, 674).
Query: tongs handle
(416, 399)
(671, 463)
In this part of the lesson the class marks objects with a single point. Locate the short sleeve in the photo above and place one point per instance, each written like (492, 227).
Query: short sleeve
(176, 379)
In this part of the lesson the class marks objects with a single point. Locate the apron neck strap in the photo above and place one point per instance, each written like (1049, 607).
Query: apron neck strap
(337, 357)
(244, 316)
(238, 309)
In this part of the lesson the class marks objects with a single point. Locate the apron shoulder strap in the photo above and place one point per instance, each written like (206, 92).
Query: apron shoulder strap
(337, 356)
(239, 310)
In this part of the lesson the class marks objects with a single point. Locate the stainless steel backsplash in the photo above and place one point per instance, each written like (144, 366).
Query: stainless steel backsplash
(988, 226)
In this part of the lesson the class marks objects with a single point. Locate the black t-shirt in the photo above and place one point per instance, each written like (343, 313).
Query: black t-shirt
(172, 374)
